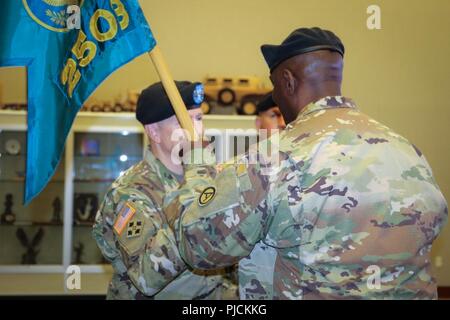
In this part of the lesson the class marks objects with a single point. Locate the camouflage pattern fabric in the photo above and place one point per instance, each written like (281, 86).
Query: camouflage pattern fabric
(132, 232)
(350, 212)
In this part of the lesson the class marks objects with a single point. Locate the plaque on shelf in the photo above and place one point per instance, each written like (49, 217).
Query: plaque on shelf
(8, 217)
(90, 147)
(85, 208)
(30, 255)
(56, 218)
(12, 147)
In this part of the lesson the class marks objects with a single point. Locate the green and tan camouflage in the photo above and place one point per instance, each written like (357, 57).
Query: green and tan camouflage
(350, 212)
(132, 233)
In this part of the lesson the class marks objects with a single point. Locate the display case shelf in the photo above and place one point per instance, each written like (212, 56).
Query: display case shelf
(83, 225)
(22, 180)
(108, 157)
(93, 180)
(32, 223)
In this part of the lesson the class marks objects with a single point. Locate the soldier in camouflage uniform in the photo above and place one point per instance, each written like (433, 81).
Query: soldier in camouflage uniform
(350, 211)
(131, 228)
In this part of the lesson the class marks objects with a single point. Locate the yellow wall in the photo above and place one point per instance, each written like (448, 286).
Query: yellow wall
(400, 75)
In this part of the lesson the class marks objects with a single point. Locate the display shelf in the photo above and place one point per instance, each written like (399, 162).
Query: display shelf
(115, 121)
(94, 180)
(108, 157)
(32, 224)
(83, 225)
(14, 180)
(21, 180)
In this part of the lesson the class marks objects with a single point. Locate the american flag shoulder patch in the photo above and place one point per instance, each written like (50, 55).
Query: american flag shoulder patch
(126, 213)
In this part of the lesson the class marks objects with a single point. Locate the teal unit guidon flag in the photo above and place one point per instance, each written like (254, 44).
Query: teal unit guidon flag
(65, 63)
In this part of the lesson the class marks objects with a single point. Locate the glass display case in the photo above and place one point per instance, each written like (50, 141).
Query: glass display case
(99, 159)
(55, 230)
(29, 235)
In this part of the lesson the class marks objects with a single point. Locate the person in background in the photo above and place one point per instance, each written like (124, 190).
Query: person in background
(269, 116)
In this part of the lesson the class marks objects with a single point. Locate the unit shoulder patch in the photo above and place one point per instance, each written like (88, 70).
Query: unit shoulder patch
(135, 228)
(206, 196)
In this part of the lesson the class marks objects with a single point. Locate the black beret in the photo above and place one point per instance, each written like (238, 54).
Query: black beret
(301, 41)
(266, 103)
(154, 105)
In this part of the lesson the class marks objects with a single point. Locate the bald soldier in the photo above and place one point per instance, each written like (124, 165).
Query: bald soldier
(350, 212)
(131, 228)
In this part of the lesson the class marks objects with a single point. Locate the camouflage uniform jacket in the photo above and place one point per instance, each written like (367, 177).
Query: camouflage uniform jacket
(132, 233)
(351, 211)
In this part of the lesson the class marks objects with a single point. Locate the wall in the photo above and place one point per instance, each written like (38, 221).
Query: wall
(400, 75)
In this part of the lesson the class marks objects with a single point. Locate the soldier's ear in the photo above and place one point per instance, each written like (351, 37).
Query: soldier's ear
(289, 82)
(258, 122)
(152, 131)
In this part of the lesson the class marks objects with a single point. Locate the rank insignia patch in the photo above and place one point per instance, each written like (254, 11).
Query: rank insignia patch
(134, 229)
(206, 196)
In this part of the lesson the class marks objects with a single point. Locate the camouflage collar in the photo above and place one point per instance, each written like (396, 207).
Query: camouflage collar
(151, 160)
(330, 102)
(159, 168)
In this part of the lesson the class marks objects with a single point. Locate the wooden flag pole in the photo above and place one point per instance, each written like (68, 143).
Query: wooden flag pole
(172, 92)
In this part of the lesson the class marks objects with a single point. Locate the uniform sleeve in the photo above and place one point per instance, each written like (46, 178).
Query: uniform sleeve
(223, 212)
(134, 235)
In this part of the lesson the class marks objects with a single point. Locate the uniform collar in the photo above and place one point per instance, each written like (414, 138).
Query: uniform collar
(330, 102)
(151, 160)
(159, 168)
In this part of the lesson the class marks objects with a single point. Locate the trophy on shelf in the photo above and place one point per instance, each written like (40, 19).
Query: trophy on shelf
(118, 104)
(85, 208)
(8, 217)
(56, 219)
(79, 253)
(29, 257)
